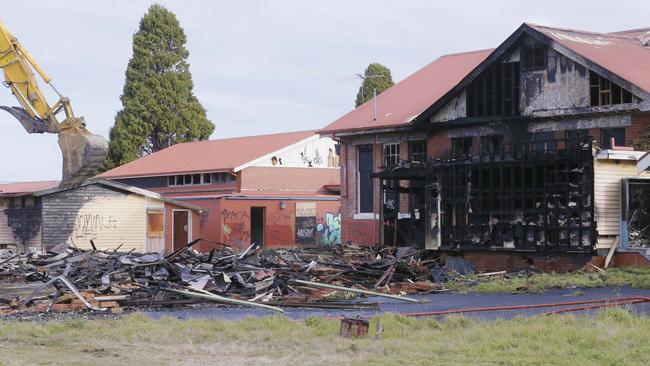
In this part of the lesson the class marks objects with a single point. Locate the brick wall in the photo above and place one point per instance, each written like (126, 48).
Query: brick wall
(640, 124)
(438, 145)
(196, 227)
(288, 179)
(555, 262)
(622, 259)
(349, 200)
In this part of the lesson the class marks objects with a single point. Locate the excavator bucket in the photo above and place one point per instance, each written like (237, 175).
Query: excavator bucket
(82, 152)
(82, 155)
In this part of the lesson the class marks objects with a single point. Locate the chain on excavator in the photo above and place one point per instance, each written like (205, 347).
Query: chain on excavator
(82, 151)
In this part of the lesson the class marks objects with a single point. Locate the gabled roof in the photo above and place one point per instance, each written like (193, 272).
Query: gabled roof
(24, 188)
(401, 103)
(619, 56)
(121, 187)
(621, 53)
(207, 156)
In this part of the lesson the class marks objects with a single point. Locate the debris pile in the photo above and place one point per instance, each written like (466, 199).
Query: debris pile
(67, 279)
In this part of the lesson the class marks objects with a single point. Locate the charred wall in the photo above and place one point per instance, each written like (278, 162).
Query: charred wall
(533, 197)
(25, 223)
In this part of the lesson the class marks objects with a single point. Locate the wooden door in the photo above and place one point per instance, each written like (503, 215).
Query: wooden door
(155, 230)
(181, 227)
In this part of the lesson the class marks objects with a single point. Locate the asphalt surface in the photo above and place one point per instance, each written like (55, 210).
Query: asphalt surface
(437, 302)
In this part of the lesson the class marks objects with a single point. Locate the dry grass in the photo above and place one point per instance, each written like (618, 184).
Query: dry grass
(637, 277)
(612, 337)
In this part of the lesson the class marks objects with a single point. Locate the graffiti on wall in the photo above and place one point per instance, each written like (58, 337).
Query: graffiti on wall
(89, 226)
(279, 235)
(234, 226)
(329, 231)
(280, 229)
(310, 161)
(305, 222)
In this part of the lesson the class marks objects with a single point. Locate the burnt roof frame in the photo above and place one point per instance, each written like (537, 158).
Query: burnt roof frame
(424, 117)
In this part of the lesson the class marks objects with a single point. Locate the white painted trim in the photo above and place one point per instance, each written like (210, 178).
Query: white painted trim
(276, 152)
(643, 163)
(189, 227)
(365, 216)
(619, 155)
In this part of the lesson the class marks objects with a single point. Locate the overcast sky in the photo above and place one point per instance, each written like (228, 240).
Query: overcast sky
(261, 66)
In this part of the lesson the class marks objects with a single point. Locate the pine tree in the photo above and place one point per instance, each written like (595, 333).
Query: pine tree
(159, 108)
(377, 78)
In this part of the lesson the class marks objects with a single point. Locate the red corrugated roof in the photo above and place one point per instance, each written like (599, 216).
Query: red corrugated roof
(205, 156)
(20, 188)
(405, 100)
(621, 53)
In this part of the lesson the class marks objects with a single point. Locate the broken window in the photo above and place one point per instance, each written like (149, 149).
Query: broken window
(521, 202)
(495, 92)
(636, 212)
(533, 56)
(491, 144)
(418, 151)
(618, 134)
(544, 141)
(604, 92)
(461, 146)
(391, 154)
(365, 181)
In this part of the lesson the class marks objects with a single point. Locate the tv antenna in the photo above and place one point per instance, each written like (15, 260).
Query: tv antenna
(363, 77)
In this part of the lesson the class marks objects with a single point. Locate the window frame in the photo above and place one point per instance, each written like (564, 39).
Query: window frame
(421, 154)
(467, 144)
(391, 154)
(534, 49)
(604, 92)
(488, 141)
(605, 142)
(198, 179)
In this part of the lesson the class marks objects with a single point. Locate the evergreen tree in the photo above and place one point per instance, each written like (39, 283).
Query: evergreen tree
(376, 77)
(159, 108)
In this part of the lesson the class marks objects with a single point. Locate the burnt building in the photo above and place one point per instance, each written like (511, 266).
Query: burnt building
(511, 156)
(20, 215)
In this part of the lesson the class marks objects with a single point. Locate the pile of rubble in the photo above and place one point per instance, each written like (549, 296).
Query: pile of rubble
(67, 279)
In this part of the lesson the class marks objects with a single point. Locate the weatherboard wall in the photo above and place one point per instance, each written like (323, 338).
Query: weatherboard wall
(607, 191)
(109, 217)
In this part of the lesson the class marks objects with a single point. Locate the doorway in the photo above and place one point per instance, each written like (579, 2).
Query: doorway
(181, 228)
(257, 225)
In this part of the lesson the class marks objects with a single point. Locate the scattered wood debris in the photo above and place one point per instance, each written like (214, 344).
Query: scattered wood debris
(69, 279)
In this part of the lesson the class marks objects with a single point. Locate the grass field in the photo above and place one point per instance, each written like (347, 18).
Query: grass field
(637, 277)
(611, 337)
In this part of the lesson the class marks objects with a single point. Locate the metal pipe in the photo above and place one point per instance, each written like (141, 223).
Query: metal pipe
(210, 296)
(366, 292)
(590, 304)
(69, 285)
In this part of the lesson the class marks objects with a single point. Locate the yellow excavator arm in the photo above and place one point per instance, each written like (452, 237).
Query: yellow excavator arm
(82, 151)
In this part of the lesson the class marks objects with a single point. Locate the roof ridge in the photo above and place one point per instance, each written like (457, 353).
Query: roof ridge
(242, 137)
(466, 52)
(631, 30)
(613, 35)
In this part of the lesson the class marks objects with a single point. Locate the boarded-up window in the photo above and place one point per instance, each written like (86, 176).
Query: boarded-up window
(155, 223)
